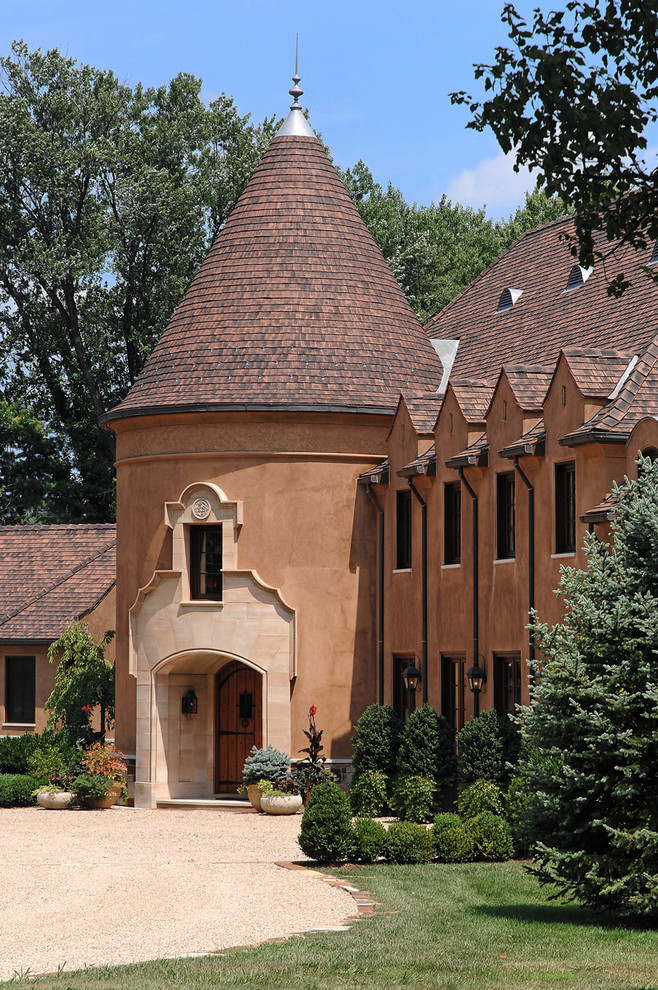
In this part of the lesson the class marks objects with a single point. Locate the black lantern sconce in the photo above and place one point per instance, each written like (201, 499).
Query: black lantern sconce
(476, 677)
(412, 678)
(190, 703)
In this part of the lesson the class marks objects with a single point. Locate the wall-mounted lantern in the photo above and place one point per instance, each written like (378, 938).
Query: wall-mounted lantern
(476, 677)
(190, 703)
(412, 678)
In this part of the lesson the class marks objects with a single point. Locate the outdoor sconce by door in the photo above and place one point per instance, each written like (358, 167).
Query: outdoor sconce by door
(476, 677)
(246, 707)
(190, 703)
(412, 678)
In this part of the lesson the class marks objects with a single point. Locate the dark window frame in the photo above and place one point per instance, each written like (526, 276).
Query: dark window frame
(20, 690)
(403, 529)
(505, 516)
(453, 691)
(200, 574)
(452, 514)
(565, 507)
(507, 682)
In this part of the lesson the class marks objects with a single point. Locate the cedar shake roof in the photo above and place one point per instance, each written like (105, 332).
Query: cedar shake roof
(378, 475)
(476, 453)
(52, 575)
(473, 398)
(596, 372)
(423, 411)
(423, 464)
(294, 308)
(529, 385)
(532, 442)
(637, 400)
(546, 318)
(605, 511)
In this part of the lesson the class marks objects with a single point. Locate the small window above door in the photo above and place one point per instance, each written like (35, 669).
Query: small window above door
(206, 563)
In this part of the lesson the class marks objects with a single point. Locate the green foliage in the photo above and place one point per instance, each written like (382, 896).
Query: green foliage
(15, 752)
(16, 790)
(453, 842)
(369, 840)
(572, 98)
(376, 740)
(84, 680)
(368, 794)
(426, 748)
(91, 786)
(407, 842)
(326, 831)
(479, 796)
(49, 761)
(523, 803)
(268, 764)
(491, 836)
(488, 746)
(413, 799)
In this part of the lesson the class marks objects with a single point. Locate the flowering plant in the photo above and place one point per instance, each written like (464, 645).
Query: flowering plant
(311, 770)
(102, 758)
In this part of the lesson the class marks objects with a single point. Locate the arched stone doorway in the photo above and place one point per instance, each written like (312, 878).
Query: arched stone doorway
(238, 721)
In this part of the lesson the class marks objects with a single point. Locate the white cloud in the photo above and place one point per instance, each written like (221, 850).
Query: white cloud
(492, 182)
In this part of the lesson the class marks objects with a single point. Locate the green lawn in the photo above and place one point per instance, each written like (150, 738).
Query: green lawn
(473, 927)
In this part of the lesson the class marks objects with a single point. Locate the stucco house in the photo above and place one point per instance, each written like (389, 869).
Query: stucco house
(313, 490)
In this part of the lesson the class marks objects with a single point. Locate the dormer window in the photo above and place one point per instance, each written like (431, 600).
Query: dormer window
(507, 299)
(206, 563)
(577, 277)
(653, 260)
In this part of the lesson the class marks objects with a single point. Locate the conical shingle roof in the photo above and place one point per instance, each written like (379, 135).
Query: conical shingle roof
(293, 308)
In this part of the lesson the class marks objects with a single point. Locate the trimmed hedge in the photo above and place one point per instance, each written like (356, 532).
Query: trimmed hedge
(482, 795)
(407, 842)
(453, 842)
(369, 840)
(413, 799)
(376, 740)
(16, 790)
(491, 837)
(368, 794)
(326, 831)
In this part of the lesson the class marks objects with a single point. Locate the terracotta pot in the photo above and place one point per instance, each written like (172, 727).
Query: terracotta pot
(286, 804)
(106, 802)
(254, 794)
(54, 799)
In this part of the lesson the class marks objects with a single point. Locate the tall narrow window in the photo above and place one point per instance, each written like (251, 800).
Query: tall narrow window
(565, 507)
(452, 692)
(20, 675)
(505, 515)
(403, 523)
(507, 684)
(452, 515)
(206, 562)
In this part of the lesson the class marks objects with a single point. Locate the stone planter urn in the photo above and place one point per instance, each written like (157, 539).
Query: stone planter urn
(254, 794)
(54, 799)
(106, 802)
(281, 804)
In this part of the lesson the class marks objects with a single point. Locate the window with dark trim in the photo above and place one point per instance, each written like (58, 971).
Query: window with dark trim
(403, 526)
(452, 692)
(507, 683)
(452, 517)
(565, 507)
(206, 562)
(20, 678)
(505, 544)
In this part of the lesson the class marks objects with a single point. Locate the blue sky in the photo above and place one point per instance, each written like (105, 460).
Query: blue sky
(376, 74)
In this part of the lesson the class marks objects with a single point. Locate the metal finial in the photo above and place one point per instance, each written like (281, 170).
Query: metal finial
(296, 92)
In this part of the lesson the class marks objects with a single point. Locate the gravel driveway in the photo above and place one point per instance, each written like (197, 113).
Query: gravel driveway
(125, 885)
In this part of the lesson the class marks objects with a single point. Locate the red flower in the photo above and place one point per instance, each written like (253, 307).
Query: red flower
(312, 710)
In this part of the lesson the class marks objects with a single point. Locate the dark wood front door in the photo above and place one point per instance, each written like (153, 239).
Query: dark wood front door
(239, 722)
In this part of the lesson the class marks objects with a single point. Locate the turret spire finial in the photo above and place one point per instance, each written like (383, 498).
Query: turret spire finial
(296, 92)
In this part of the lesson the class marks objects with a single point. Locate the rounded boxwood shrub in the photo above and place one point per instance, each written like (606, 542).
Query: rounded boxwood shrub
(407, 842)
(376, 740)
(326, 831)
(488, 746)
(491, 837)
(369, 840)
(368, 794)
(16, 790)
(482, 795)
(413, 799)
(427, 748)
(453, 842)
(15, 752)
(265, 764)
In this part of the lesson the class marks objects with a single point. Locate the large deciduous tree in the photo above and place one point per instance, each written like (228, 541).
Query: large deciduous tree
(573, 97)
(592, 723)
(109, 196)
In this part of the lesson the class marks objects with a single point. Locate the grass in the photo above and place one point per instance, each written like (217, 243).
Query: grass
(470, 927)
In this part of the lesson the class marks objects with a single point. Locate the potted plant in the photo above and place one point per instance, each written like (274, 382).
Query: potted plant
(280, 797)
(48, 766)
(99, 779)
(264, 764)
(53, 795)
(312, 770)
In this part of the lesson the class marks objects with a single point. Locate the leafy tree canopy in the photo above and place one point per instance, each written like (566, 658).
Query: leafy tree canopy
(84, 680)
(593, 720)
(572, 97)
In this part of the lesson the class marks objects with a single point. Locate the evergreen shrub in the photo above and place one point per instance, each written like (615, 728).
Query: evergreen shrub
(326, 830)
(368, 794)
(484, 745)
(268, 764)
(369, 840)
(413, 799)
(376, 740)
(15, 752)
(482, 795)
(16, 790)
(408, 842)
(453, 842)
(427, 748)
(491, 836)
